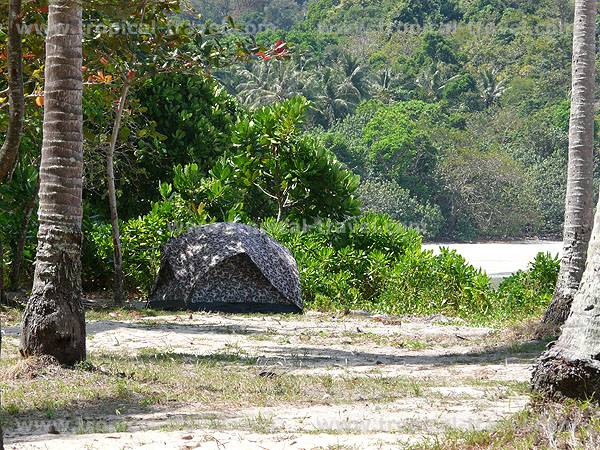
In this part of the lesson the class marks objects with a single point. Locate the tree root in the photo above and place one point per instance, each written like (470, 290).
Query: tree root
(557, 378)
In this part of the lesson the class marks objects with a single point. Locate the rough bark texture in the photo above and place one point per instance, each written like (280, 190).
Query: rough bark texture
(10, 149)
(118, 291)
(571, 368)
(53, 322)
(578, 213)
(557, 378)
(15, 274)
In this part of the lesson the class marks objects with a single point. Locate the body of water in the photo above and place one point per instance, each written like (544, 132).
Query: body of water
(500, 259)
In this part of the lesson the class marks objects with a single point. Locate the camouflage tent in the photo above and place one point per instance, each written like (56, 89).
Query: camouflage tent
(226, 267)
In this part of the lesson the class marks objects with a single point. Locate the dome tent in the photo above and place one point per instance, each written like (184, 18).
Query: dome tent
(226, 267)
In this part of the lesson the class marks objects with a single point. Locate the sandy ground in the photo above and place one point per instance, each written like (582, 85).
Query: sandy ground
(464, 379)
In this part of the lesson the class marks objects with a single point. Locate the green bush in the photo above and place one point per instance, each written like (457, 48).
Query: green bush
(424, 283)
(530, 291)
(141, 240)
(370, 262)
(345, 265)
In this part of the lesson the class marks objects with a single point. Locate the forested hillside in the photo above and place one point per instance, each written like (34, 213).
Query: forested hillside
(448, 117)
(454, 113)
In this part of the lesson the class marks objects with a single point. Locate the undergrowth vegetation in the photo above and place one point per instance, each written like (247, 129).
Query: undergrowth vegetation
(570, 425)
(370, 262)
(376, 264)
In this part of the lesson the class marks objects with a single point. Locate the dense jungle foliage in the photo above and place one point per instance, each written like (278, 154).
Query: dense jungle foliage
(445, 119)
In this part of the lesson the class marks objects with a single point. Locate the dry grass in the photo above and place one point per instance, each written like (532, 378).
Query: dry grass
(31, 368)
(569, 425)
(154, 378)
(10, 316)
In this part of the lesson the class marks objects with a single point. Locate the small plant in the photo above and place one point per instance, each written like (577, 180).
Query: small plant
(530, 291)
(261, 424)
(121, 427)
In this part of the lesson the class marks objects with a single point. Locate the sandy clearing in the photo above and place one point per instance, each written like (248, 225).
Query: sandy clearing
(473, 382)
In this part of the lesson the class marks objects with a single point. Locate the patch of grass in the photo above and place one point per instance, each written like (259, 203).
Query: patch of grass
(158, 380)
(181, 426)
(267, 336)
(261, 424)
(391, 340)
(364, 338)
(214, 359)
(121, 427)
(569, 425)
(127, 314)
(10, 316)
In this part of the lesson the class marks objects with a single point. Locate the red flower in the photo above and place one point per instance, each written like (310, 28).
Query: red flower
(280, 47)
(263, 55)
(280, 50)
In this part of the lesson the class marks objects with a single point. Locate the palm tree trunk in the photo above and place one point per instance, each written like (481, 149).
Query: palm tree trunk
(10, 149)
(578, 213)
(53, 322)
(118, 291)
(571, 368)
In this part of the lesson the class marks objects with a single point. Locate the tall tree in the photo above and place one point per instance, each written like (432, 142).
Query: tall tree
(118, 290)
(10, 149)
(578, 213)
(571, 368)
(53, 322)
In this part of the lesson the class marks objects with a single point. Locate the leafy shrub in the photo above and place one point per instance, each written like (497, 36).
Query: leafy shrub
(141, 240)
(530, 291)
(424, 283)
(370, 262)
(194, 115)
(344, 265)
(282, 172)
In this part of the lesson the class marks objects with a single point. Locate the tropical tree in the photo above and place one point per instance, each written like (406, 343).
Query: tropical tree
(355, 75)
(385, 83)
(578, 212)
(335, 96)
(129, 59)
(54, 321)
(571, 367)
(268, 82)
(9, 151)
(124, 55)
(276, 171)
(431, 82)
(491, 87)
